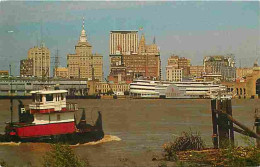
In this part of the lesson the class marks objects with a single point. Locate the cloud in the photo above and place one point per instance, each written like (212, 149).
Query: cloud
(37, 11)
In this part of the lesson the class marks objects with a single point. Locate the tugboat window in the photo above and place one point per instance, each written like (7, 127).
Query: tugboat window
(38, 98)
(49, 97)
(58, 117)
(34, 97)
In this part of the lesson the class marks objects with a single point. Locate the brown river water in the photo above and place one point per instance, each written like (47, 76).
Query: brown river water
(135, 129)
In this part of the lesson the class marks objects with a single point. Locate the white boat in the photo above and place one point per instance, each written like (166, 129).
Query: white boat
(166, 89)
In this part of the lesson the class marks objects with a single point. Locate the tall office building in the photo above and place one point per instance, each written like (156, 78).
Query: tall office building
(173, 61)
(37, 63)
(222, 65)
(196, 71)
(123, 42)
(142, 60)
(173, 74)
(184, 63)
(180, 63)
(85, 64)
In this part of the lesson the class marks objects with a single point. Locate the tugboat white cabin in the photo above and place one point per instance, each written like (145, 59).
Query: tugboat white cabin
(49, 106)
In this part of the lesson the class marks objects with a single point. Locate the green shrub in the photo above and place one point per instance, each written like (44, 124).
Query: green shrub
(241, 156)
(3, 163)
(187, 141)
(61, 156)
(169, 152)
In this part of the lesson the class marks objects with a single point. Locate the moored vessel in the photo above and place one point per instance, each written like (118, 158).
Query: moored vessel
(174, 90)
(50, 118)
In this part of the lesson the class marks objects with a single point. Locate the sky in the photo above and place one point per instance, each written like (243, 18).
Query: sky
(188, 29)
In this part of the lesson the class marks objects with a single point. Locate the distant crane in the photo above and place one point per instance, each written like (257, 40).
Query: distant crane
(56, 64)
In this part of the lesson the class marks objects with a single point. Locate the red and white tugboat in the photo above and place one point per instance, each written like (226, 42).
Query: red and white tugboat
(51, 119)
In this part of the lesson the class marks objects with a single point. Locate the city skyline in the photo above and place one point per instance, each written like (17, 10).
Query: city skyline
(220, 28)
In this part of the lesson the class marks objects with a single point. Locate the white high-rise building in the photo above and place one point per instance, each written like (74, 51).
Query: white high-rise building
(41, 61)
(173, 73)
(123, 42)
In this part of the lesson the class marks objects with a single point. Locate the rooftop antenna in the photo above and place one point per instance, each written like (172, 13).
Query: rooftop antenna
(41, 35)
(37, 44)
(256, 50)
(43, 70)
(83, 22)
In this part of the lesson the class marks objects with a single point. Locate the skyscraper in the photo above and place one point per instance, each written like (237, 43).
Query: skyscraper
(222, 65)
(176, 62)
(37, 63)
(123, 42)
(84, 64)
(130, 59)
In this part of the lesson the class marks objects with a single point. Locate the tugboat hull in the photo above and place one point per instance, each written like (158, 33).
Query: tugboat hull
(67, 132)
(72, 139)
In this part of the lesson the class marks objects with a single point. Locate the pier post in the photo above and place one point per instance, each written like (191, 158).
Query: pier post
(231, 128)
(214, 122)
(223, 124)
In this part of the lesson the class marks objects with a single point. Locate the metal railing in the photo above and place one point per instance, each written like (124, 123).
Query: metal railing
(72, 106)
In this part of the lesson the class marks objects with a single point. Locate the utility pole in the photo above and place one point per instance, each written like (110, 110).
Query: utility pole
(11, 98)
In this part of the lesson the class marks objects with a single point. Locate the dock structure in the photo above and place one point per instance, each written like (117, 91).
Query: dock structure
(23, 87)
(223, 124)
(223, 132)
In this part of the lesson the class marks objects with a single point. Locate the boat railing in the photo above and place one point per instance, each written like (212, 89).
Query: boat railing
(37, 103)
(72, 106)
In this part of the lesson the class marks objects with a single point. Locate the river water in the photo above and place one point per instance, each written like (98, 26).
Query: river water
(135, 129)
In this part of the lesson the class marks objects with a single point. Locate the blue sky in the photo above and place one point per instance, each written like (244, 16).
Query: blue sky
(190, 29)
